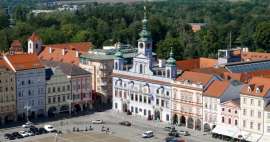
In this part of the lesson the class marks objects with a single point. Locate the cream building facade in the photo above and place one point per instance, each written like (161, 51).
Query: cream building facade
(187, 99)
(7, 94)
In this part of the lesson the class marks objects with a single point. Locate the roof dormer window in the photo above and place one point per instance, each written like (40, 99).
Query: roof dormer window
(249, 89)
(258, 90)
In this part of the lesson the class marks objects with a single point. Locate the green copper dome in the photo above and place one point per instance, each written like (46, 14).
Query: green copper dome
(145, 34)
(171, 60)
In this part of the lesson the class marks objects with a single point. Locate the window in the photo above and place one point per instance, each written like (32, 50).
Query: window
(157, 101)
(58, 89)
(229, 110)
(141, 68)
(140, 98)
(251, 101)
(29, 81)
(230, 121)
(22, 82)
(149, 100)
(268, 129)
(144, 99)
(259, 126)
(63, 88)
(68, 87)
(244, 111)
(132, 109)
(59, 99)
(168, 74)
(136, 110)
(167, 93)
(244, 100)
(132, 97)
(144, 112)
(259, 103)
(251, 125)
(167, 117)
(115, 105)
(235, 112)
(223, 109)
(223, 120)
(251, 113)
(49, 90)
(259, 114)
(162, 103)
(157, 91)
(136, 97)
(235, 122)
(53, 89)
(64, 98)
(244, 123)
(49, 100)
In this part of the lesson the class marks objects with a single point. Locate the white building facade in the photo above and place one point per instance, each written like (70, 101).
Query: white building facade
(145, 88)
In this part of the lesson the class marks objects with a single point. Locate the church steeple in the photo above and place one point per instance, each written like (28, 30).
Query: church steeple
(145, 41)
(171, 70)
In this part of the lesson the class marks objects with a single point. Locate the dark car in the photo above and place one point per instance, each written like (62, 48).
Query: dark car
(169, 128)
(17, 135)
(173, 133)
(34, 130)
(9, 137)
(42, 131)
(173, 139)
(125, 123)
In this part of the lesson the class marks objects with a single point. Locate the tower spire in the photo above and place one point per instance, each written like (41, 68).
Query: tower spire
(171, 53)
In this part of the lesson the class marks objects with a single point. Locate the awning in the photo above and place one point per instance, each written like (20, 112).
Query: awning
(249, 136)
(226, 130)
(265, 138)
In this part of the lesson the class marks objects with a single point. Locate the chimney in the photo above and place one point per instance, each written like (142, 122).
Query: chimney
(77, 54)
(50, 50)
(64, 51)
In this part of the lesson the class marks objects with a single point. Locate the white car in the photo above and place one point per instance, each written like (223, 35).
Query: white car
(24, 133)
(148, 134)
(27, 124)
(97, 121)
(49, 128)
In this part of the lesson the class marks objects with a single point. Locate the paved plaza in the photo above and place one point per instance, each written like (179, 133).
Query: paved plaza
(117, 132)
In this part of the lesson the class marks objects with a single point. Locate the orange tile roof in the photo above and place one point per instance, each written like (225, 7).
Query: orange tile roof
(195, 63)
(254, 56)
(24, 61)
(57, 55)
(195, 77)
(80, 46)
(34, 37)
(212, 70)
(216, 88)
(257, 83)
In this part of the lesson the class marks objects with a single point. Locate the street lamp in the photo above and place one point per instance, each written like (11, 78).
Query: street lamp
(69, 102)
(27, 107)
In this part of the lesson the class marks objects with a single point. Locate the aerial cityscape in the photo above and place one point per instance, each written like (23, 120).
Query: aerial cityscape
(134, 70)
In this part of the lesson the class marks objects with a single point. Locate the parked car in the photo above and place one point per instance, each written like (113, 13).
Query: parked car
(24, 133)
(42, 131)
(173, 139)
(125, 123)
(97, 121)
(17, 135)
(185, 133)
(148, 134)
(169, 128)
(34, 130)
(9, 136)
(27, 124)
(173, 133)
(49, 128)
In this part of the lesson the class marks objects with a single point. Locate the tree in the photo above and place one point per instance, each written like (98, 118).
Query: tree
(3, 20)
(163, 48)
(262, 36)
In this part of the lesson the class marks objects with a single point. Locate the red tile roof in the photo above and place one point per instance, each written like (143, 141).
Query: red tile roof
(71, 49)
(195, 63)
(255, 56)
(34, 37)
(80, 46)
(257, 86)
(216, 88)
(195, 77)
(24, 61)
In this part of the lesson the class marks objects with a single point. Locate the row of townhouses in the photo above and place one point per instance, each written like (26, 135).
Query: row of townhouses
(224, 96)
(35, 87)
